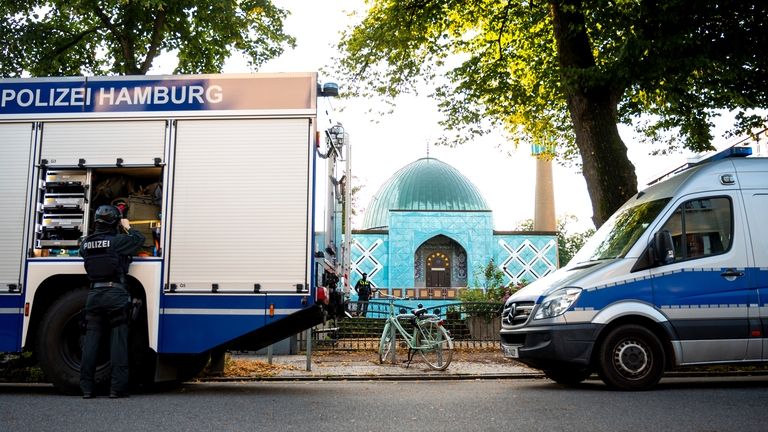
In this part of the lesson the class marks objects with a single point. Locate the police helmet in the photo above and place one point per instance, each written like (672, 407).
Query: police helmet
(107, 215)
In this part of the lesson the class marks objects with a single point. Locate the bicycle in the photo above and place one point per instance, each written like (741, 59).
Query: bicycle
(428, 337)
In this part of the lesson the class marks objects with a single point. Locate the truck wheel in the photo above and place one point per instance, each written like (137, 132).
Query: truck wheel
(631, 358)
(568, 375)
(59, 344)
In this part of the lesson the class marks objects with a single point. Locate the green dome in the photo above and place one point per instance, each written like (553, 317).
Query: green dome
(424, 185)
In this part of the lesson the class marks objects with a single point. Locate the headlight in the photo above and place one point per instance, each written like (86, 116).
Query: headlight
(557, 303)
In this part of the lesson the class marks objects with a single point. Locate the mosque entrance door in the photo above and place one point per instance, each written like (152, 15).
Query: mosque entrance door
(438, 270)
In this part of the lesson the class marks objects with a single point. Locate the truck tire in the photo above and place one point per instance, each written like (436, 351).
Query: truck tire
(568, 375)
(631, 358)
(59, 344)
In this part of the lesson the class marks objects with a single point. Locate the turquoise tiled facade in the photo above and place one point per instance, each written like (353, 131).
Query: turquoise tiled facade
(370, 254)
(415, 218)
(389, 262)
(524, 257)
(473, 231)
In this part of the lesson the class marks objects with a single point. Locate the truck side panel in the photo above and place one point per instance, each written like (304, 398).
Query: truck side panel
(197, 322)
(15, 150)
(240, 218)
(135, 142)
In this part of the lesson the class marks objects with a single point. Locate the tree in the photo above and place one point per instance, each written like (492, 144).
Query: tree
(488, 276)
(96, 37)
(568, 243)
(561, 74)
(354, 205)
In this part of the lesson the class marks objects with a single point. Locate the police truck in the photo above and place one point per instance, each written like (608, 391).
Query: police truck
(219, 173)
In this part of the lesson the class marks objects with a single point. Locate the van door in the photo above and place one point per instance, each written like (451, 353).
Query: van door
(705, 292)
(757, 208)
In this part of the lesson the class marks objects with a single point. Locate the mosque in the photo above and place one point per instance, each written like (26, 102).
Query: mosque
(428, 230)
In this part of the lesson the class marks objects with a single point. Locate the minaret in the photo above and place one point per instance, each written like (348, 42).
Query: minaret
(544, 199)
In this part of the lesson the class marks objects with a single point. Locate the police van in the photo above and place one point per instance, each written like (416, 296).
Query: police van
(678, 276)
(217, 171)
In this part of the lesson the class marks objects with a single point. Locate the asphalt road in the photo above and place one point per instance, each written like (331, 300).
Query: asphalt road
(686, 404)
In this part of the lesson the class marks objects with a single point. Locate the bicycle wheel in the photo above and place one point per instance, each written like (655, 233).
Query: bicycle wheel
(386, 344)
(436, 345)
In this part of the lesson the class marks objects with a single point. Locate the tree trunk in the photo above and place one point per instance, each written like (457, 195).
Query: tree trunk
(592, 104)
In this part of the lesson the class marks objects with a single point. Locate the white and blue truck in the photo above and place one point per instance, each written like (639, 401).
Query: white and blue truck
(219, 171)
(677, 277)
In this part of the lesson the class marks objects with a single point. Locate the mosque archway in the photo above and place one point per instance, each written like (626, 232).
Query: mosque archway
(440, 263)
(438, 270)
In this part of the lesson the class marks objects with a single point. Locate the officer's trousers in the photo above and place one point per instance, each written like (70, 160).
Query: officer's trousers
(363, 306)
(105, 312)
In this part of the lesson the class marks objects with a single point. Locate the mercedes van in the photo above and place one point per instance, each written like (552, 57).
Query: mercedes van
(678, 276)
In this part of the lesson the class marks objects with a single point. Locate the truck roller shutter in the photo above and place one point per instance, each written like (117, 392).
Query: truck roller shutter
(240, 205)
(15, 145)
(101, 143)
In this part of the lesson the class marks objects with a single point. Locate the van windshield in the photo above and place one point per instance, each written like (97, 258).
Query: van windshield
(620, 232)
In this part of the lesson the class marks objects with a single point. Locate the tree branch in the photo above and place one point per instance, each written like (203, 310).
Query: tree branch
(127, 50)
(155, 40)
(74, 41)
(501, 30)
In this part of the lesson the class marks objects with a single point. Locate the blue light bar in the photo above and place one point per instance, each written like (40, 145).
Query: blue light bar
(729, 152)
(724, 154)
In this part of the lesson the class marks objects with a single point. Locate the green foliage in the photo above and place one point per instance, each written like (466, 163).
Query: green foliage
(16, 368)
(561, 73)
(488, 276)
(354, 205)
(95, 37)
(568, 243)
(676, 60)
(486, 299)
(488, 303)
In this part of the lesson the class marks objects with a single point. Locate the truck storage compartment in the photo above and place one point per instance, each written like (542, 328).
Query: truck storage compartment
(69, 197)
(61, 210)
(138, 193)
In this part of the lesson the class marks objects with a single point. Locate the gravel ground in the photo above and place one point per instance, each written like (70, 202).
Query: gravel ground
(340, 364)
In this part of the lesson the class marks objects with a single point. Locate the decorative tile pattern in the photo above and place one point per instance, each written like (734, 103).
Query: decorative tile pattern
(391, 260)
(526, 258)
(369, 255)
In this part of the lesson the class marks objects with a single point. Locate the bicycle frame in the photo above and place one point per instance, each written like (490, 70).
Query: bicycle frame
(417, 340)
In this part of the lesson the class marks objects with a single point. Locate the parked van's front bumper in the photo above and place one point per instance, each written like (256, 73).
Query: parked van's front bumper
(544, 347)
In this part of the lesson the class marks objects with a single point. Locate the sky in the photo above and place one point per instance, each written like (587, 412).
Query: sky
(383, 144)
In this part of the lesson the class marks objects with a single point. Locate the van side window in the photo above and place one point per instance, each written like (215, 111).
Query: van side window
(701, 227)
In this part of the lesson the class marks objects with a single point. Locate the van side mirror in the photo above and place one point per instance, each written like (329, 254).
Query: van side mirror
(663, 248)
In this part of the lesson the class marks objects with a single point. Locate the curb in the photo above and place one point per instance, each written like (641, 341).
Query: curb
(453, 377)
(458, 377)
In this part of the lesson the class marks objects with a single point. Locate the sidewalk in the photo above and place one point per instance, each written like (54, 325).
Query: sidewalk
(364, 365)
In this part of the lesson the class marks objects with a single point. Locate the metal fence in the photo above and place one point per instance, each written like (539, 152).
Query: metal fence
(471, 324)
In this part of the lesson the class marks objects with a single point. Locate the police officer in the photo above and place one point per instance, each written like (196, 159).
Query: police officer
(107, 255)
(363, 289)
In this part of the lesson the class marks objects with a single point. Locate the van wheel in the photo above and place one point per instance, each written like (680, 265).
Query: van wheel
(631, 358)
(568, 375)
(59, 344)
